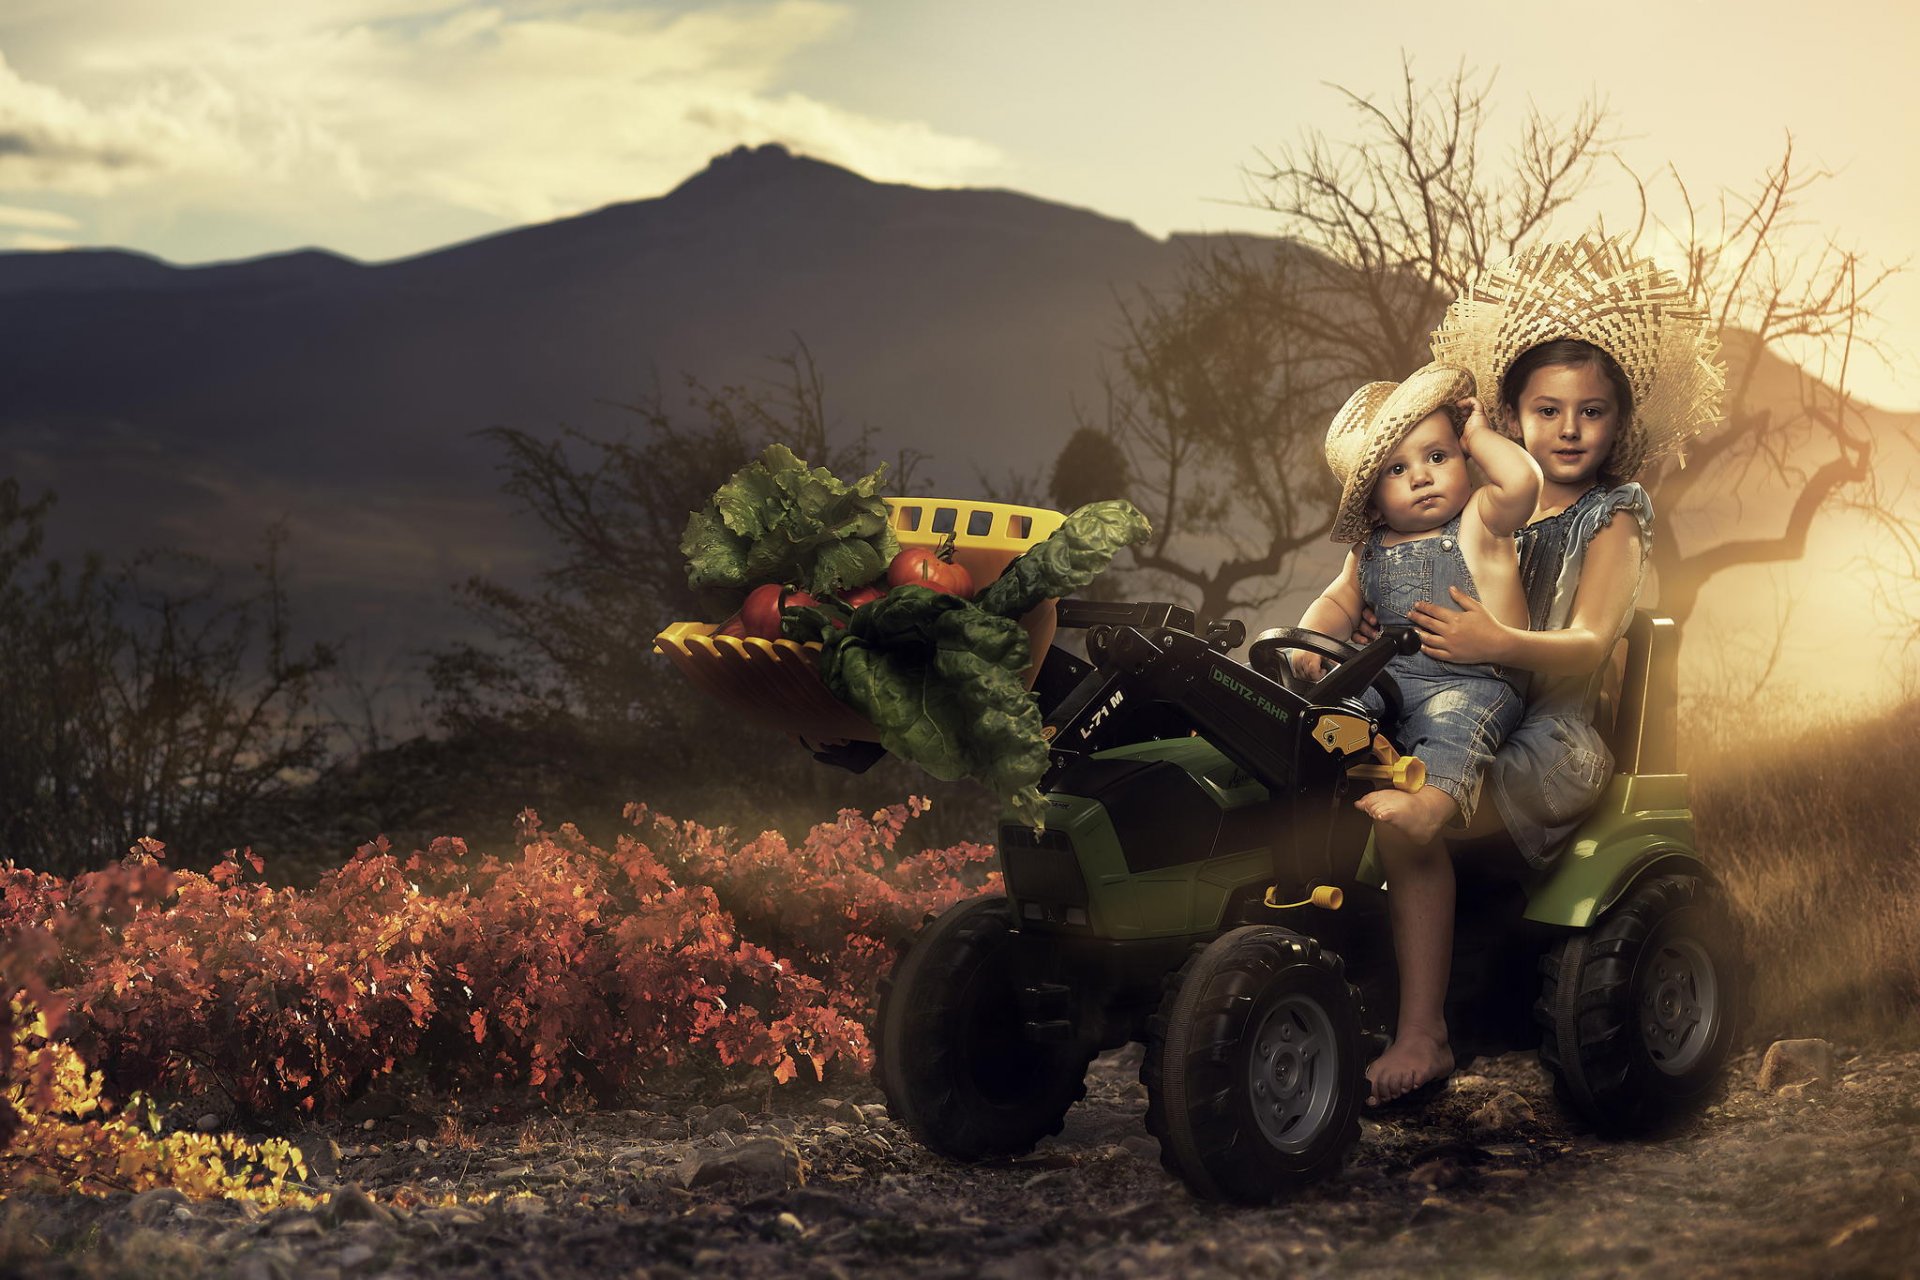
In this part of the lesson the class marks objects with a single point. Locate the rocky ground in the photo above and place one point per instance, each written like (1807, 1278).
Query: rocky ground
(1820, 1179)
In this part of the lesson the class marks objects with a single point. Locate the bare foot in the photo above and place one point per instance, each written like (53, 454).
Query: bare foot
(1409, 1062)
(1417, 815)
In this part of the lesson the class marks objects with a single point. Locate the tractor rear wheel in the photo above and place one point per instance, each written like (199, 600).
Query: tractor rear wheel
(1641, 1012)
(951, 1054)
(1254, 1068)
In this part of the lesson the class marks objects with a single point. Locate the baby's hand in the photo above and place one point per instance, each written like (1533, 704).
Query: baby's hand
(1308, 666)
(1476, 420)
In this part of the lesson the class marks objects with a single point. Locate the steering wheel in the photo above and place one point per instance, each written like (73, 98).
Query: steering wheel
(1268, 656)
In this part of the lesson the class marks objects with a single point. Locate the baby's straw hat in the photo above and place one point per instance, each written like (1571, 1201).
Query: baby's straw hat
(1371, 425)
(1628, 307)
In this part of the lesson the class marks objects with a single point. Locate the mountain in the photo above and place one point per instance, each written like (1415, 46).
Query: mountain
(963, 316)
(191, 406)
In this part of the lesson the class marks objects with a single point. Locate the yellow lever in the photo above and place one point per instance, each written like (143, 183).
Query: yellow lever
(1406, 773)
(1327, 896)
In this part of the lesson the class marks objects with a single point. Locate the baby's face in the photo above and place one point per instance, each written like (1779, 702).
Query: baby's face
(1423, 484)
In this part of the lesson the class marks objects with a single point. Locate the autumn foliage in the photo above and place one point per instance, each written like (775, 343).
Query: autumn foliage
(568, 969)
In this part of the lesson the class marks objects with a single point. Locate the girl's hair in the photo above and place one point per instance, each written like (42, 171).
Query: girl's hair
(1569, 353)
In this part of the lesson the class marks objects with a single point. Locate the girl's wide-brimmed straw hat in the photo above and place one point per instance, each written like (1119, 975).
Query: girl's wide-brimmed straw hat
(1371, 425)
(1630, 308)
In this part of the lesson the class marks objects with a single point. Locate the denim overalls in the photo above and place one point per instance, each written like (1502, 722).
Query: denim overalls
(1454, 715)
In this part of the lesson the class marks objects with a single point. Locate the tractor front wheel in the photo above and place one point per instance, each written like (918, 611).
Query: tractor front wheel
(1254, 1068)
(951, 1052)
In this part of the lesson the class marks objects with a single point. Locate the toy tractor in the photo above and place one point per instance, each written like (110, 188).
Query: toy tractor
(1203, 884)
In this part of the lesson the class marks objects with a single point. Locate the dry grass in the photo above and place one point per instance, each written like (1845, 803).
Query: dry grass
(1813, 821)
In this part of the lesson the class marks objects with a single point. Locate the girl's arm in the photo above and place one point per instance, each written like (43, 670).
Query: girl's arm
(1507, 500)
(1335, 612)
(1609, 581)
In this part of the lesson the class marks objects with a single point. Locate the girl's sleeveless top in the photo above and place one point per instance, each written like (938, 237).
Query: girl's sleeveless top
(1551, 769)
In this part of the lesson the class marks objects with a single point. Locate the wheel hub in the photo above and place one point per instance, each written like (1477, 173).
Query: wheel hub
(1679, 1005)
(1293, 1072)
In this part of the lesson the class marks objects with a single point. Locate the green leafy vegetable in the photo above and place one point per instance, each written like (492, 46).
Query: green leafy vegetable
(943, 682)
(779, 520)
(1072, 556)
(943, 678)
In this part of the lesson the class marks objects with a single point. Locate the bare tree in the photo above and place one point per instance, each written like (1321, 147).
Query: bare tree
(132, 703)
(1785, 304)
(581, 647)
(1217, 408)
(1384, 228)
(1404, 214)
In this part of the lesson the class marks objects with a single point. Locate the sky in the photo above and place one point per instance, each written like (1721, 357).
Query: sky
(201, 130)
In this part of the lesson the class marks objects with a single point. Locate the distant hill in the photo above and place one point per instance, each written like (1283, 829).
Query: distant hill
(189, 406)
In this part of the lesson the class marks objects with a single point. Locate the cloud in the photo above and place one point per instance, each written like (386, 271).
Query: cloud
(35, 240)
(42, 219)
(510, 113)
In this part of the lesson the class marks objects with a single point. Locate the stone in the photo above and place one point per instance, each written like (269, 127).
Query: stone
(351, 1204)
(1507, 1109)
(1794, 1062)
(298, 1223)
(841, 1110)
(757, 1160)
(355, 1256)
(208, 1123)
(725, 1116)
(275, 1263)
(1869, 1223)
(375, 1106)
(150, 1207)
(321, 1153)
(1026, 1266)
(1437, 1174)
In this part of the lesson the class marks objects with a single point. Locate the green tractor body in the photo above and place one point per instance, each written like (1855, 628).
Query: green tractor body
(1194, 806)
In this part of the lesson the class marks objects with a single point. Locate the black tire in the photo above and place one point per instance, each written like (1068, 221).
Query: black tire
(950, 1052)
(1241, 1112)
(1641, 1012)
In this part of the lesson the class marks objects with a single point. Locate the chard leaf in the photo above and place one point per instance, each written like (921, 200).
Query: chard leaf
(942, 682)
(1072, 556)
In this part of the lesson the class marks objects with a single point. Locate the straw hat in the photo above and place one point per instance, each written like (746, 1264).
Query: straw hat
(1628, 307)
(1371, 425)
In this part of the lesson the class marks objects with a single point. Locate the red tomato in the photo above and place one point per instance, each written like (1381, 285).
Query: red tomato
(732, 627)
(862, 595)
(926, 567)
(760, 615)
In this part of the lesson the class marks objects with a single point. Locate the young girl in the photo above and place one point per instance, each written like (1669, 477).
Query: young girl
(1402, 468)
(1604, 364)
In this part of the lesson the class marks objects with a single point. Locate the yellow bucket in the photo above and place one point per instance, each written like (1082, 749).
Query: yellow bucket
(777, 682)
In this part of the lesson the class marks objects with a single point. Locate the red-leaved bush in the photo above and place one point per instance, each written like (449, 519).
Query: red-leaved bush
(565, 968)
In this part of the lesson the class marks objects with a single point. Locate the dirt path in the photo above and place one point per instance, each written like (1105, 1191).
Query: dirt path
(1488, 1180)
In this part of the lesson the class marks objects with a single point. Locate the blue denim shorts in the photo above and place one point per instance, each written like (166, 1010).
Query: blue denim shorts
(1454, 718)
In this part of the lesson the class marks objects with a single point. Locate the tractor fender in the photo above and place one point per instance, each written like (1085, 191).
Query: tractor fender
(1585, 883)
